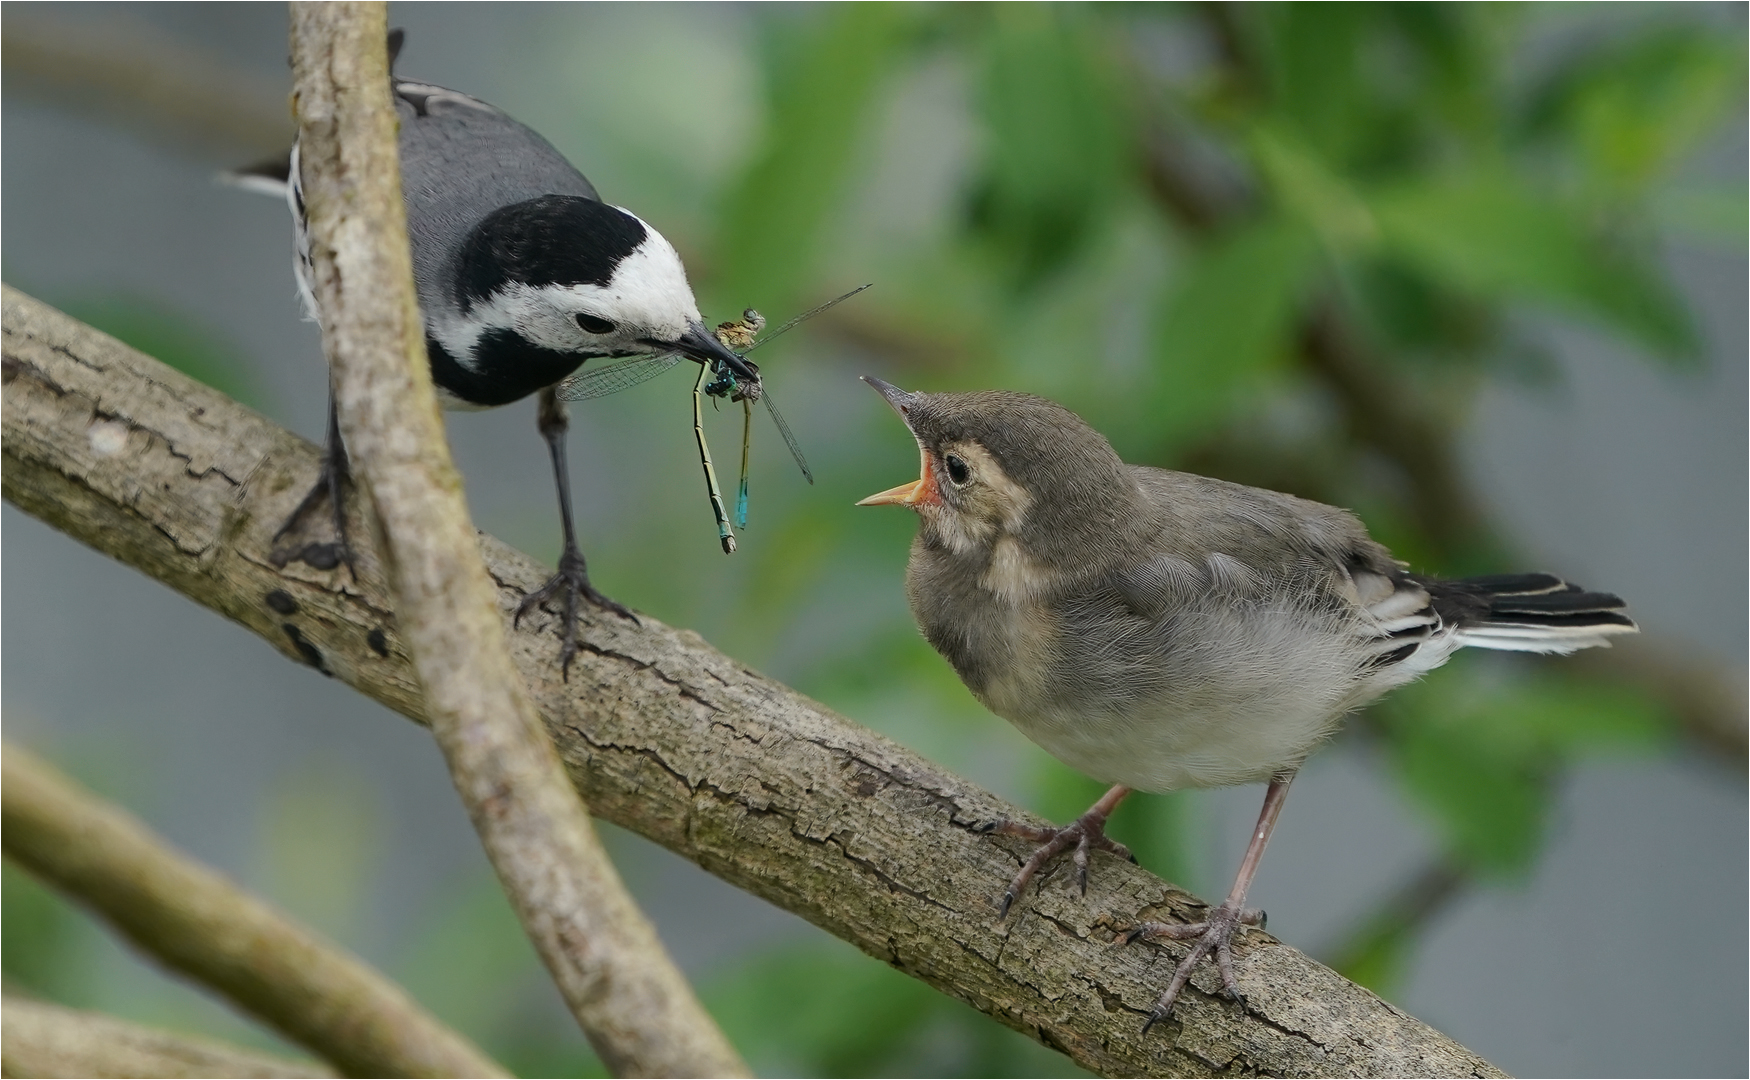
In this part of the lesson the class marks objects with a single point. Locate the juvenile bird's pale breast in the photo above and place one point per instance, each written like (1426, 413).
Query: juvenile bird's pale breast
(1221, 688)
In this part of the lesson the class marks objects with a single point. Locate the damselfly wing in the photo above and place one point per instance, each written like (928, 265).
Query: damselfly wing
(742, 336)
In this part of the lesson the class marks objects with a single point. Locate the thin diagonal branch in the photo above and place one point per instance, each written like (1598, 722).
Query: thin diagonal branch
(627, 994)
(124, 71)
(196, 922)
(40, 1039)
(671, 739)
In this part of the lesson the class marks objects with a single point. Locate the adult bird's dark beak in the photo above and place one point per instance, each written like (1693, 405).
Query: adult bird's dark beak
(702, 345)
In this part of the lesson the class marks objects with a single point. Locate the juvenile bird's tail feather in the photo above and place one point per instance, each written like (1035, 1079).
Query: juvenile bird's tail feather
(1528, 613)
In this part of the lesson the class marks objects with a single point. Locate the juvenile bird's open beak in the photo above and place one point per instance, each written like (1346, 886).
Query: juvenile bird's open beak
(918, 490)
(702, 345)
(903, 495)
(899, 399)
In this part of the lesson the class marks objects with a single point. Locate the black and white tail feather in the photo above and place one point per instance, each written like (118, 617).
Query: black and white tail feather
(280, 178)
(1538, 613)
(1421, 621)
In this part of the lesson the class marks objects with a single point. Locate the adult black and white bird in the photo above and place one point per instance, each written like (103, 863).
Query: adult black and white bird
(1158, 630)
(523, 273)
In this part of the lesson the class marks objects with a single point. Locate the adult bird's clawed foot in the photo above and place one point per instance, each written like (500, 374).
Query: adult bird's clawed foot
(1212, 936)
(571, 584)
(1086, 834)
(292, 543)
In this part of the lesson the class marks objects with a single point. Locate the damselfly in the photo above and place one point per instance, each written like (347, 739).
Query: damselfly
(741, 336)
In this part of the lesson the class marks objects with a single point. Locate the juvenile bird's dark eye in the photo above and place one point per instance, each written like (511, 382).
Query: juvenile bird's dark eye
(594, 324)
(957, 470)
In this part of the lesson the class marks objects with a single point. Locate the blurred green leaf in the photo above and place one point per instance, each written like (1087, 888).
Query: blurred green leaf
(824, 1009)
(1716, 214)
(1491, 809)
(1227, 324)
(470, 963)
(320, 843)
(823, 76)
(1316, 86)
(818, 1010)
(1380, 948)
(1480, 754)
(1308, 190)
(172, 337)
(1634, 107)
(44, 950)
(1409, 312)
(1548, 715)
(1451, 46)
(1055, 147)
(1379, 960)
(1491, 233)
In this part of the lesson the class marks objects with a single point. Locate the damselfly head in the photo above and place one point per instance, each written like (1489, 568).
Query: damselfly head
(739, 334)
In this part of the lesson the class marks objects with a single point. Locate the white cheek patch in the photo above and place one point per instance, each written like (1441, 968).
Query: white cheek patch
(529, 312)
(648, 299)
(649, 290)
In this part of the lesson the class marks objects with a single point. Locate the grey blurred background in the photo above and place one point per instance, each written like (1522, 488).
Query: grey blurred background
(1621, 954)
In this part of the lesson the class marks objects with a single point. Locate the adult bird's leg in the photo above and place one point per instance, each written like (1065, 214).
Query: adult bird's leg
(330, 487)
(1216, 933)
(572, 580)
(1084, 834)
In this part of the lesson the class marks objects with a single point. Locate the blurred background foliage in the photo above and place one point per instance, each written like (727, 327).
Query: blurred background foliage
(1283, 244)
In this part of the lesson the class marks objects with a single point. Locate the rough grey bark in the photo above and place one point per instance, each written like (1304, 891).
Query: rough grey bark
(39, 1039)
(196, 922)
(631, 1000)
(668, 737)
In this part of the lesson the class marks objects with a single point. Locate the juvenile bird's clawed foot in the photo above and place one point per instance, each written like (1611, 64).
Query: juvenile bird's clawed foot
(1086, 834)
(571, 583)
(1213, 936)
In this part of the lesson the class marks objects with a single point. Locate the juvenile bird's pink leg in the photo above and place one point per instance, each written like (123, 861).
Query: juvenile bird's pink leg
(1084, 834)
(1215, 934)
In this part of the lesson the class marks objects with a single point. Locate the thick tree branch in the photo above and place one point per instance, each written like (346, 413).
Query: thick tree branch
(631, 1000)
(196, 922)
(39, 1039)
(672, 739)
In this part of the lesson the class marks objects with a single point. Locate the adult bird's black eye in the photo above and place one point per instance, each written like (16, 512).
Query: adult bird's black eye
(957, 470)
(594, 324)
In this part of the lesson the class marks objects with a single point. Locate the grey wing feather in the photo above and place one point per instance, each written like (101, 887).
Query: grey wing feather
(508, 163)
(1222, 541)
(1240, 540)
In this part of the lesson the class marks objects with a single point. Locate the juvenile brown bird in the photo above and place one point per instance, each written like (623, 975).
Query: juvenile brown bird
(1158, 630)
